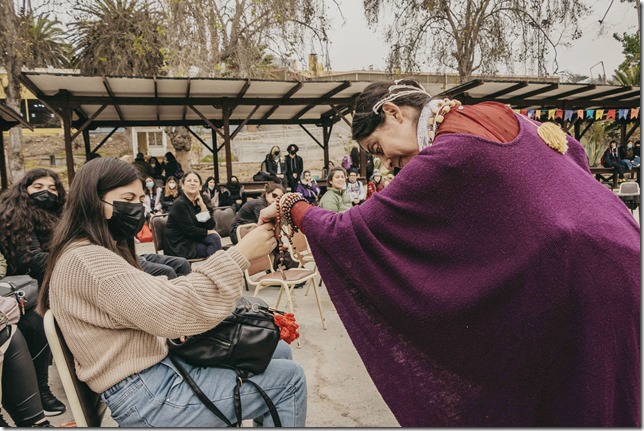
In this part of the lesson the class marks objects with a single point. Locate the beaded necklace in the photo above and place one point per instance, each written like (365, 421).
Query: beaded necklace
(283, 206)
(432, 114)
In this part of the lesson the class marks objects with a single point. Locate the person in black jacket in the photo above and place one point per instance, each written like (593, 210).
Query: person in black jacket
(29, 212)
(612, 160)
(190, 230)
(275, 166)
(249, 213)
(294, 167)
(171, 167)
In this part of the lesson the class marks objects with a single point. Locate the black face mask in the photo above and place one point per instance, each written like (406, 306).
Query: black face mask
(127, 219)
(293, 152)
(45, 199)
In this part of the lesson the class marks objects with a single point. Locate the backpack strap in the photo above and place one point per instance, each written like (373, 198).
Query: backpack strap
(202, 397)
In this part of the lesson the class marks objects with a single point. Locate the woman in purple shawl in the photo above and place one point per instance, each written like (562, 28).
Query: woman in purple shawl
(477, 286)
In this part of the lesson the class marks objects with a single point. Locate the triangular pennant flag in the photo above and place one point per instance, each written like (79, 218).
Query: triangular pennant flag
(623, 114)
(610, 115)
(537, 114)
(559, 113)
(551, 114)
(524, 112)
(590, 113)
(518, 111)
(580, 113)
(599, 114)
(635, 113)
(531, 113)
(568, 115)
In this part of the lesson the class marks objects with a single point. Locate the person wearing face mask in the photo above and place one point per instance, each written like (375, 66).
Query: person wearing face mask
(190, 230)
(157, 171)
(29, 212)
(611, 159)
(477, 290)
(170, 193)
(308, 188)
(152, 200)
(627, 155)
(115, 318)
(276, 166)
(236, 197)
(294, 167)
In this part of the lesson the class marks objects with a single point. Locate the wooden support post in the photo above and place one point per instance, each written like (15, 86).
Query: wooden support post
(69, 154)
(229, 159)
(215, 155)
(88, 147)
(3, 163)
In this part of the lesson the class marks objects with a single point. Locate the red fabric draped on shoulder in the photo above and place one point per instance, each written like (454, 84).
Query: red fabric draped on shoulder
(490, 120)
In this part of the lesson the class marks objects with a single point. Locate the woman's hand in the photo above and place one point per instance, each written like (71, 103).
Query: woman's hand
(268, 214)
(199, 201)
(258, 242)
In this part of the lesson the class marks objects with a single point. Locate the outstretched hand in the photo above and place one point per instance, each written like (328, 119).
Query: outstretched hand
(268, 214)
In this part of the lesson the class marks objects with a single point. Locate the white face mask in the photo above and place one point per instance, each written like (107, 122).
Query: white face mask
(629, 145)
(172, 186)
(203, 216)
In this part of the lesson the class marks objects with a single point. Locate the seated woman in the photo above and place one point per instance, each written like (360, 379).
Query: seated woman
(249, 213)
(29, 212)
(336, 198)
(190, 230)
(233, 194)
(210, 191)
(170, 193)
(152, 200)
(115, 318)
(308, 188)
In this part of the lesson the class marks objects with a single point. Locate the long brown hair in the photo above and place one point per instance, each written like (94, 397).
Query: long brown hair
(84, 217)
(171, 192)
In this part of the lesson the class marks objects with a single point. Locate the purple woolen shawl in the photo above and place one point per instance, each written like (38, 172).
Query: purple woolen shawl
(491, 284)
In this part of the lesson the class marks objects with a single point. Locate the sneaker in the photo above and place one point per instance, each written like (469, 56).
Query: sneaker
(50, 404)
(43, 424)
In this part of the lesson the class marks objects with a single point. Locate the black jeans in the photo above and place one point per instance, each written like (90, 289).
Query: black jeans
(33, 329)
(20, 392)
(160, 264)
(208, 245)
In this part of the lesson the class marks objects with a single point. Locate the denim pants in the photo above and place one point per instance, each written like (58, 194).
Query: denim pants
(159, 396)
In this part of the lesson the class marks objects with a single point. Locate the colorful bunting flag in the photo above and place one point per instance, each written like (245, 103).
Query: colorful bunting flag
(568, 115)
(623, 113)
(590, 113)
(524, 112)
(635, 113)
(610, 115)
(559, 113)
(551, 114)
(599, 114)
(537, 114)
(580, 113)
(531, 114)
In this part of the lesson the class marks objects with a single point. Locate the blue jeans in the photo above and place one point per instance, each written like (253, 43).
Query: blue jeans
(159, 396)
(208, 245)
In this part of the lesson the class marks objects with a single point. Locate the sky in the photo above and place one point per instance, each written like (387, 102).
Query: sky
(354, 46)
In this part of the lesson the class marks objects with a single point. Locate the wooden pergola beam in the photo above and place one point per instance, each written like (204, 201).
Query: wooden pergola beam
(327, 96)
(107, 86)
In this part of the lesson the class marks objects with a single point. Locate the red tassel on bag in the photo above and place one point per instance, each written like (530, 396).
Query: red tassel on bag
(287, 325)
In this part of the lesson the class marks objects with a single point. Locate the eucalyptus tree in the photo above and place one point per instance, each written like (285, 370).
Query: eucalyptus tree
(475, 35)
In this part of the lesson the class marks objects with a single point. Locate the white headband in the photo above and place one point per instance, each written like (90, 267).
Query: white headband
(393, 96)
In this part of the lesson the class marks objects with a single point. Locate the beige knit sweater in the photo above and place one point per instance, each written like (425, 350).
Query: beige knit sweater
(115, 318)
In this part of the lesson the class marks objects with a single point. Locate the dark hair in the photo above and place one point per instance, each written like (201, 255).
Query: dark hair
(205, 183)
(170, 156)
(365, 121)
(332, 172)
(183, 179)
(293, 146)
(84, 216)
(270, 187)
(153, 158)
(355, 157)
(20, 218)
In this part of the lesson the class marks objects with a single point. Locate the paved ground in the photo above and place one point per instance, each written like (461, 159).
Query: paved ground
(340, 392)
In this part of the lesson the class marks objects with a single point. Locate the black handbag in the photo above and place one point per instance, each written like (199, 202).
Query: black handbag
(244, 341)
(23, 288)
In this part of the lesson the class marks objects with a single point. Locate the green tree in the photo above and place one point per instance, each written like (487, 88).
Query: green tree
(43, 41)
(118, 37)
(476, 35)
(628, 72)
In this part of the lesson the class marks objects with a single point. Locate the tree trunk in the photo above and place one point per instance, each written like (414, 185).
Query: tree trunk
(181, 141)
(12, 60)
